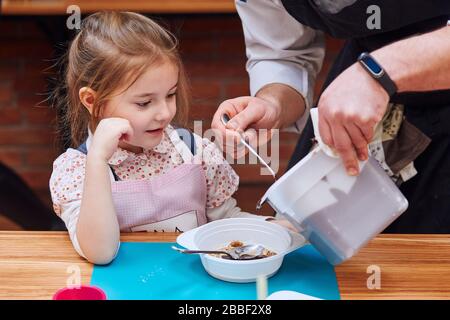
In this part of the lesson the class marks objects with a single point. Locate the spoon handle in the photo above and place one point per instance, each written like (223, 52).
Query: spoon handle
(201, 251)
(225, 118)
(250, 148)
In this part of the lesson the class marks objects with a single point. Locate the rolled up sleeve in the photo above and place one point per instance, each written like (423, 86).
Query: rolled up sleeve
(279, 49)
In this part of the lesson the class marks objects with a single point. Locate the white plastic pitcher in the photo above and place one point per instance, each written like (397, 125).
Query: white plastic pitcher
(338, 214)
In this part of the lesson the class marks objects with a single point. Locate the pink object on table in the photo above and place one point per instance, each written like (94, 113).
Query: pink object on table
(80, 293)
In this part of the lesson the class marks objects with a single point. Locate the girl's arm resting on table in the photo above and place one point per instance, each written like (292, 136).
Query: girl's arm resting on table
(97, 230)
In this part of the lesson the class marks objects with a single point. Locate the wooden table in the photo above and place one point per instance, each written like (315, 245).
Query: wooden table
(33, 265)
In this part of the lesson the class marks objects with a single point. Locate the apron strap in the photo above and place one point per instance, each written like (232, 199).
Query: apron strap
(184, 142)
(83, 149)
(188, 138)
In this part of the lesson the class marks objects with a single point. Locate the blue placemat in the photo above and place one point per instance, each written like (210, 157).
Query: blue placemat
(155, 271)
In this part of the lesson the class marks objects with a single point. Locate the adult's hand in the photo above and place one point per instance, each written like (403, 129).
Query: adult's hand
(248, 114)
(275, 106)
(349, 110)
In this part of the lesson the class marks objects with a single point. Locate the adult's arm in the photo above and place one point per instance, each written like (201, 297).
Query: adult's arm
(354, 102)
(283, 59)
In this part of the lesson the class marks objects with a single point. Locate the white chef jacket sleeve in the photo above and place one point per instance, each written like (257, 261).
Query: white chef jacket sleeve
(279, 49)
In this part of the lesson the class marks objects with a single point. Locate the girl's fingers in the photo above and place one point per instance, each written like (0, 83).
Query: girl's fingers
(124, 137)
(125, 130)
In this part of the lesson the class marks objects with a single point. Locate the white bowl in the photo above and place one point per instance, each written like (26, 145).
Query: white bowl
(220, 233)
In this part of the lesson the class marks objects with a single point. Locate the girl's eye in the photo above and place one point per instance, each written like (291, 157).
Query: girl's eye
(171, 95)
(143, 104)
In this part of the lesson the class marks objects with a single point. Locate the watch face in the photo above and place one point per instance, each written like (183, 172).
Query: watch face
(372, 65)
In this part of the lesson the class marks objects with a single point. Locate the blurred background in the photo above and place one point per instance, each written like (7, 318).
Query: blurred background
(32, 35)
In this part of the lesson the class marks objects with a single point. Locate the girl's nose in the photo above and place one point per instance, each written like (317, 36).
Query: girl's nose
(163, 112)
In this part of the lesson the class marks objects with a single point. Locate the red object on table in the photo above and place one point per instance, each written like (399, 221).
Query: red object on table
(80, 293)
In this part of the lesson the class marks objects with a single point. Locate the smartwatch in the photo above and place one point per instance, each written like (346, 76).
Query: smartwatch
(377, 72)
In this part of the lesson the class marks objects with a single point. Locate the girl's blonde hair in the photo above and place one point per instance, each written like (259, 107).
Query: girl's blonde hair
(109, 53)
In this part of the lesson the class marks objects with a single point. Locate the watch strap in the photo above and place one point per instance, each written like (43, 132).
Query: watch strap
(382, 77)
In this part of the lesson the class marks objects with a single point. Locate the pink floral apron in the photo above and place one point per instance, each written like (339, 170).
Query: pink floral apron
(172, 202)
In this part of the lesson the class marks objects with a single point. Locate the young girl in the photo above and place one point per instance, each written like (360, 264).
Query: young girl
(129, 168)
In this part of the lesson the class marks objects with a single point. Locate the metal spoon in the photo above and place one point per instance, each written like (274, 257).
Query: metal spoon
(248, 252)
(225, 118)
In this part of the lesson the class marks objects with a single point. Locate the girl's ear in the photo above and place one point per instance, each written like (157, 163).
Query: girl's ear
(87, 98)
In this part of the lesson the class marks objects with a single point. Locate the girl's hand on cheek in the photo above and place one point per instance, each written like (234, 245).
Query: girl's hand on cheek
(107, 136)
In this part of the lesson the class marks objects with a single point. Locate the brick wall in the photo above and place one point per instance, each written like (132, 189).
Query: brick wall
(212, 47)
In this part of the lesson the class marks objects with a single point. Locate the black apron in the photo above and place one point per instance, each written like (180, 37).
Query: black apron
(428, 192)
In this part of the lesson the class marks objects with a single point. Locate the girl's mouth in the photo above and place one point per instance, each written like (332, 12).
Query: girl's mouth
(155, 131)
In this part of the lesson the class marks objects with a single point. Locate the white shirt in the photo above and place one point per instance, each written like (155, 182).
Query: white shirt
(280, 50)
